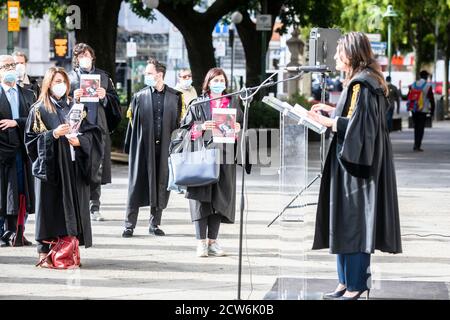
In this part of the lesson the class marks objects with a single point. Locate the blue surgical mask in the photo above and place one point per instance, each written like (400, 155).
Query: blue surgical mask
(149, 80)
(217, 87)
(10, 76)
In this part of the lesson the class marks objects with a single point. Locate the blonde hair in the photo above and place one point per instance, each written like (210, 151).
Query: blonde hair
(46, 87)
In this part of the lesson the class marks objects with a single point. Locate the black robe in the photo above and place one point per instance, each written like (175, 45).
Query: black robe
(358, 206)
(103, 112)
(62, 186)
(222, 195)
(143, 189)
(11, 142)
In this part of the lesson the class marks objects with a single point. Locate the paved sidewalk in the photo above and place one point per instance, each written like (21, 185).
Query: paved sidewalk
(148, 267)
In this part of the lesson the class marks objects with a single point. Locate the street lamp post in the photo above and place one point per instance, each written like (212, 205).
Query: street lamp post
(390, 14)
(236, 18)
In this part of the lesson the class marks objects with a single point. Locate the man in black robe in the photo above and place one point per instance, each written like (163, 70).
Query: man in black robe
(16, 182)
(154, 114)
(105, 113)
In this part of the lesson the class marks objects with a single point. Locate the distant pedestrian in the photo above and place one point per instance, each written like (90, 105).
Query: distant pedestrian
(394, 96)
(184, 85)
(421, 104)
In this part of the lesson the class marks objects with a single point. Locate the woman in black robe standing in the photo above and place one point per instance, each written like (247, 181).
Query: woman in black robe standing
(63, 166)
(358, 206)
(212, 204)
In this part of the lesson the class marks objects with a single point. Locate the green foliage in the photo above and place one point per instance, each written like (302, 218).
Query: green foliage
(302, 100)
(261, 115)
(118, 136)
(37, 9)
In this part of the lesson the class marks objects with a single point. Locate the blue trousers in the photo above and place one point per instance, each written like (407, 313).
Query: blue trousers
(354, 271)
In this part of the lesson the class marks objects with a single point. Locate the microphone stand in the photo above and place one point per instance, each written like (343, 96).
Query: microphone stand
(246, 95)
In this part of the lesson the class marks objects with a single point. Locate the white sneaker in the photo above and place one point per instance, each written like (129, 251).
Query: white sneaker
(96, 216)
(202, 249)
(215, 250)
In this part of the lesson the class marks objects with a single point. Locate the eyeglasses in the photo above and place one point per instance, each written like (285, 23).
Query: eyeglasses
(9, 66)
(186, 77)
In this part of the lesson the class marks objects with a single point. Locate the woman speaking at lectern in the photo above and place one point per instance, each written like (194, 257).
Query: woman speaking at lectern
(358, 207)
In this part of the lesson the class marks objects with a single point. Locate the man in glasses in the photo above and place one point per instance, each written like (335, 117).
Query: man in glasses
(16, 181)
(184, 85)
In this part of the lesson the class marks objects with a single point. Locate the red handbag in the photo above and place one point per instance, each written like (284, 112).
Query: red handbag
(64, 253)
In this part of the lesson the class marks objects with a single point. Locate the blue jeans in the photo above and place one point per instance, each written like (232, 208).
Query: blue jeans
(354, 271)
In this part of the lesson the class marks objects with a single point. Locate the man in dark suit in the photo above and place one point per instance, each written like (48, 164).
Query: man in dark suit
(16, 181)
(154, 114)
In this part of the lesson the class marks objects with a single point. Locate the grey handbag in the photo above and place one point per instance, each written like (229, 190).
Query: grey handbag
(195, 168)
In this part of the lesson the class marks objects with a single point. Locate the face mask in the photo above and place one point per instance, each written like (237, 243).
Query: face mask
(20, 69)
(149, 80)
(59, 90)
(186, 84)
(85, 63)
(10, 76)
(217, 87)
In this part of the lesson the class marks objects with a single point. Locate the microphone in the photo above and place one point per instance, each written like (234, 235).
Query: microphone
(319, 69)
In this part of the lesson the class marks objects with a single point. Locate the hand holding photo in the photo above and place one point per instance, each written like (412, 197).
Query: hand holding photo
(225, 129)
(89, 83)
(73, 119)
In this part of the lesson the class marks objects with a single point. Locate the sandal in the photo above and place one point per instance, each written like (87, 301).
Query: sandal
(45, 261)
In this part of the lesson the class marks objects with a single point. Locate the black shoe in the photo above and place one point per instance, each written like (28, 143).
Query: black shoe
(334, 295)
(357, 296)
(156, 231)
(18, 237)
(7, 238)
(26, 242)
(4, 244)
(127, 233)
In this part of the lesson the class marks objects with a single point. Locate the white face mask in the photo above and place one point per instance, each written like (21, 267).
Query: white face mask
(59, 90)
(185, 84)
(21, 70)
(85, 63)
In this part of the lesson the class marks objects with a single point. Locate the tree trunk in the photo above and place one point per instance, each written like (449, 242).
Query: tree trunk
(418, 48)
(99, 30)
(252, 40)
(200, 53)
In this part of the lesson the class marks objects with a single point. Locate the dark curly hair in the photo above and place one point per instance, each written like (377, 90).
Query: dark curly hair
(79, 49)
